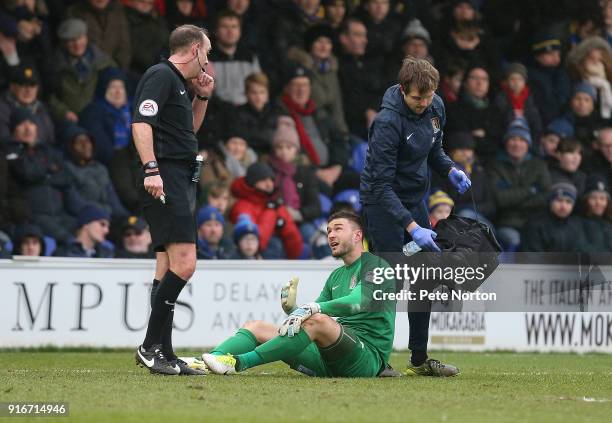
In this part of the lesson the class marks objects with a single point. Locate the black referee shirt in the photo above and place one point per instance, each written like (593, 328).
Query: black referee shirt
(162, 101)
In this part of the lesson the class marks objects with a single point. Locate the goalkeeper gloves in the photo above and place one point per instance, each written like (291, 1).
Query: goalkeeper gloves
(293, 323)
(289, 294)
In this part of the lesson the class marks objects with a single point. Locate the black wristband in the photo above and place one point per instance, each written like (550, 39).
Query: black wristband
(147, 174)
(150, 165)
(202, 97)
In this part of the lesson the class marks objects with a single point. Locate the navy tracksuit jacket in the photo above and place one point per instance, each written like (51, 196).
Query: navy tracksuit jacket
(401, 147)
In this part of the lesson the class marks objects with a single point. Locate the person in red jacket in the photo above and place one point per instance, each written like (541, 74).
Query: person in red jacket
(257, 197)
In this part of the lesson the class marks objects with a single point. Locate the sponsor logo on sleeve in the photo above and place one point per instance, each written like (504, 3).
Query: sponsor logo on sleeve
(148, 108)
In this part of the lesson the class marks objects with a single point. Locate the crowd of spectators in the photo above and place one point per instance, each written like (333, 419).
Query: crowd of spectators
(526, 84)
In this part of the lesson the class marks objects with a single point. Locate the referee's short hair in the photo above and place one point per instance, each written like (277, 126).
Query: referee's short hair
(185, 36)
(419, 74)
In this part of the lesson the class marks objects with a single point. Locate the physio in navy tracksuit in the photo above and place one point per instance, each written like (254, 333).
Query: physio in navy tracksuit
(404, 141)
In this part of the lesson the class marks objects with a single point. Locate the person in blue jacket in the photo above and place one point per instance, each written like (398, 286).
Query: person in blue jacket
(404, 141)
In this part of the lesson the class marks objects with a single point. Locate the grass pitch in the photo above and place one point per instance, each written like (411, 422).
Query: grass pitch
(498, 387)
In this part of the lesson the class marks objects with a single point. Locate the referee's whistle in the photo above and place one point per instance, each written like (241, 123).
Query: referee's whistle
(162, 198)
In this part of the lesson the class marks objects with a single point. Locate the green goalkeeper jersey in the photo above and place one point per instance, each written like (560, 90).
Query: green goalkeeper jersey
(347, 294)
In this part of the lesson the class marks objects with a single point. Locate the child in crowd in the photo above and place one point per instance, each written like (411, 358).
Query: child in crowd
(440, 206)
(246, 238)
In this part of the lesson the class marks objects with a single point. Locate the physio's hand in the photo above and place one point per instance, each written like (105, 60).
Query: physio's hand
(289, 295)
(154, 186)
(424, 238)
(460, 180)
(293, 323)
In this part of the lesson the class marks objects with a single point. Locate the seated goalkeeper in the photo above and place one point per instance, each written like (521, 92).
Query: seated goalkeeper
(310, 341)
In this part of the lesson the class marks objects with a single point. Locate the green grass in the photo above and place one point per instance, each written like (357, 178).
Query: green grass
(498, 387)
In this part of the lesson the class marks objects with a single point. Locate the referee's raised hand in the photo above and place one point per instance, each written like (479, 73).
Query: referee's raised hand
(154, 184)
(203, 84)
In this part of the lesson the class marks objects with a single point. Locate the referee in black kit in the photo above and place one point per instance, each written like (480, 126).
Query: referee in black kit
(164, 126)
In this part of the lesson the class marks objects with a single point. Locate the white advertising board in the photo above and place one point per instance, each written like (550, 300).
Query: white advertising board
(105, 303)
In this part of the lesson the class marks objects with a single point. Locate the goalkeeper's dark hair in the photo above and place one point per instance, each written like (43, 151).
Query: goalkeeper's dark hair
(348, 215)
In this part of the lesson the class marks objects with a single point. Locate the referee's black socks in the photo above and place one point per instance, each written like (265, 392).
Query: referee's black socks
(166, 336)
(162, 307)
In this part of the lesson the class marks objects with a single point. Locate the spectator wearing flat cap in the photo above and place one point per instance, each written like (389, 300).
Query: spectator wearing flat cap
(321, 141)
(596, 209)
(557, 230)
(515, 100)
(23, 92)
(90, 241)
(232, 61)
(246, 238)
(107, 27)
(519, 183)
(256, 196)
(77, 65)
(460, 147)
(28, 241)
(41, 175)
(135, 239)
(548, 80)
(212, 243)
(91, 178)
(583, 115)
(109, 115)
(316, 55)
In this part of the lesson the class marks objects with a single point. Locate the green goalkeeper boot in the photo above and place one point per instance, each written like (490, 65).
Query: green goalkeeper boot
(433, 368)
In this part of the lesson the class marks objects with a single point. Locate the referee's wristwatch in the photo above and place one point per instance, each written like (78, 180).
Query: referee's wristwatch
(202, 97)
(150, 165)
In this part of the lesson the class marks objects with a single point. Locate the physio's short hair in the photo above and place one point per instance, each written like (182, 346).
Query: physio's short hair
(348, 215)
(418, 73)
(185, 36)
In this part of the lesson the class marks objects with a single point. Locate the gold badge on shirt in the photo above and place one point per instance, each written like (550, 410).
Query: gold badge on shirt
(435, 124)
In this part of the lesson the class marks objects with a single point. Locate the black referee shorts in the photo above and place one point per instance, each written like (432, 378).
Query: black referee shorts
(174, 221)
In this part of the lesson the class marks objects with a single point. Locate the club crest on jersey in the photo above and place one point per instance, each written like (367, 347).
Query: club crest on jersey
(435, 124)
(353, 282)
